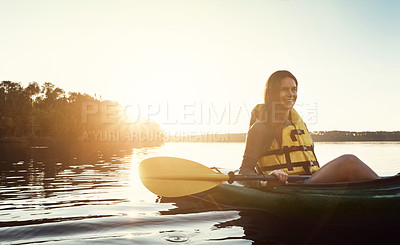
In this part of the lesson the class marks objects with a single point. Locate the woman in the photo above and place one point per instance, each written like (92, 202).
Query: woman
(279, 143)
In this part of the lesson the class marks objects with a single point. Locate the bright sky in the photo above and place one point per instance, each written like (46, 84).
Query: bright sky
(185, 63)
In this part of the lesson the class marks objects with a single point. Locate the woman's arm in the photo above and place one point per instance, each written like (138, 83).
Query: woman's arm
(255, 146)
(253, 151)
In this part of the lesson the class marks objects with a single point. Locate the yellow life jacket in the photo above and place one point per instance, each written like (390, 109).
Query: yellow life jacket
(296, 155)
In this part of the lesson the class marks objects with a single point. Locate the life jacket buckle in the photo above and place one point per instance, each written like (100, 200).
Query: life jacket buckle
(295, 132)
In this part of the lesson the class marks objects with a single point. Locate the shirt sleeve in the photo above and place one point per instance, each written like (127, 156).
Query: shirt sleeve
(255, 144)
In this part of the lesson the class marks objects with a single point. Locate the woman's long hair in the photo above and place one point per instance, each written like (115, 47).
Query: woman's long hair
(271, 108)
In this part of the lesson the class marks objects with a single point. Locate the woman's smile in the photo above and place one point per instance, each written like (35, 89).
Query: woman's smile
(288, 93)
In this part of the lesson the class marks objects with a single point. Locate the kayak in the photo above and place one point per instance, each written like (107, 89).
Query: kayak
(183, 181)
(370, 200)
(365, 212)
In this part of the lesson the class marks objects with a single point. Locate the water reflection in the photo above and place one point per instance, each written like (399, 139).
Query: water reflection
(58, 183)
(53, 166)
(262, 227)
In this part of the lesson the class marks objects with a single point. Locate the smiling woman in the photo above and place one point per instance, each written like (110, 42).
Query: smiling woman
(279, 142)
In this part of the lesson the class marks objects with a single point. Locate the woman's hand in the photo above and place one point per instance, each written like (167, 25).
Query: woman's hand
(281, 176)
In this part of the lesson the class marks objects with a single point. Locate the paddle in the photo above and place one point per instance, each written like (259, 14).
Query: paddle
(175, 177)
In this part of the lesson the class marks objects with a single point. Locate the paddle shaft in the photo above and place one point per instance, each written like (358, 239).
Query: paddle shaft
(291, 178)
(231, 177)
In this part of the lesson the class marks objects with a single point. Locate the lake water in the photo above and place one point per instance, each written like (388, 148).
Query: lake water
(46, 199)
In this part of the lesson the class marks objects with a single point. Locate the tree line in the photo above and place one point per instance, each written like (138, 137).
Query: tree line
(332, 136)
(318, 136)
(45, 113)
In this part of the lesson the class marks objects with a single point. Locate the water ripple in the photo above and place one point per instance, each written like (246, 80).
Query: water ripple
(108, 226)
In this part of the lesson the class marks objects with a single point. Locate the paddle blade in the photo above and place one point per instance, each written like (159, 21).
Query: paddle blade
(175, 177)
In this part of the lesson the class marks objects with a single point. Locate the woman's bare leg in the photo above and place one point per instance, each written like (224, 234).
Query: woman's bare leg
(344, 168)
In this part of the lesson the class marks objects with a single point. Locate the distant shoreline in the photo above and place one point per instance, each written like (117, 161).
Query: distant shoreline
(318, 136)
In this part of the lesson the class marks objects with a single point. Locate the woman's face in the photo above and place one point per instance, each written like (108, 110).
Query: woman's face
(288, 93)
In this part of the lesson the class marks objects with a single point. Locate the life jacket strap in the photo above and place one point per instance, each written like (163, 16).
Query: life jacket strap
(305, 165)
(287, 149)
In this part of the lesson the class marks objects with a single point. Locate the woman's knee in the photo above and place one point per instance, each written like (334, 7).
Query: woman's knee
(345, 163)
(351, 164)
(348, 163)
(349, 159)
